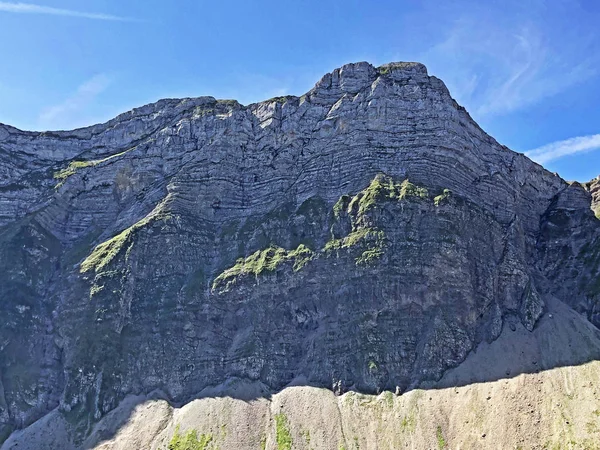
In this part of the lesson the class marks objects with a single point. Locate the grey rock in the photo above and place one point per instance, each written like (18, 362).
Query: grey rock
(368, 234)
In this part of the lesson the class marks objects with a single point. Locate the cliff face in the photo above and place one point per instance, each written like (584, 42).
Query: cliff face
(367, 235)
(594, 188)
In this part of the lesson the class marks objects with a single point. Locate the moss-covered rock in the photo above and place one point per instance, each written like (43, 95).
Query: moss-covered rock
(261, 262)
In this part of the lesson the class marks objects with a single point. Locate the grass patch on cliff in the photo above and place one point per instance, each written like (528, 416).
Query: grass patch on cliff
(306, 434)
(281, 99)
(283, 435)
(370, 240)
(365, 237)
(189, 441)
(72, 168)
(108, 250)
(105, 252)
(63, 174)
(261, 261)
(355, 238)
(440, 438)
(388, 68)
(439, 199)
(341, 205)
(370, 256)
(408, 189)
(409, 423)
(388, 398)
(202, 111)
(384, 188)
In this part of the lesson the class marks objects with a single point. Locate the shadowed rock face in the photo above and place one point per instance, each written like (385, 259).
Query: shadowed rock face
(366, 235)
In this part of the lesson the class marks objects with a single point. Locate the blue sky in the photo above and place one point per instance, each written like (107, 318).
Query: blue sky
(528, 71)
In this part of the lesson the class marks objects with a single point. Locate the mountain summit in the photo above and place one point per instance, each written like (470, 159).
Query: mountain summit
(365, 237)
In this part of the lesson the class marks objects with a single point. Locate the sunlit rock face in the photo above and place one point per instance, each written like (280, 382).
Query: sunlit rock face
(367, 235)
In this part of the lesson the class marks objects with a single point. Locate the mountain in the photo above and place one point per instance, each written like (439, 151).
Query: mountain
(260, 273)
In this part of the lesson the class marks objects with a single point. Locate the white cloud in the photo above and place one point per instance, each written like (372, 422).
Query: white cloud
(495, 64)
(65, 112)
(532, 74)
(28, 8)
(559, 149)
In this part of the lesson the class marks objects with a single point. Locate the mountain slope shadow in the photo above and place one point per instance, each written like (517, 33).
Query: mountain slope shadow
(558, 363)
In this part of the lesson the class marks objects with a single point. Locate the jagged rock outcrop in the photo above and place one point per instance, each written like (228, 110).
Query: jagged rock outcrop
(594, 188)
(367, 235)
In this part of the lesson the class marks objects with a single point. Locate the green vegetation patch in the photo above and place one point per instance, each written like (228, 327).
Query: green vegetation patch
(388, 68)
(71, 169)
(409, 423)
(370, 240)
(388, 398)
(189, 441)
(384, 188)
(366, 242)
(283, 435)
(228, 103)
(261, 261)
(440, 438)
(105, 252)
(341, 205)
(439, 199)
(74, 166)
(407, 190)
(355, 238)
(281, 99)
(306, 434)
(370, 256)
(202, 111)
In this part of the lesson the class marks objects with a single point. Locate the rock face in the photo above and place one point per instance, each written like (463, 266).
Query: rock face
(594, 188)
(549, 398)
(367, 235)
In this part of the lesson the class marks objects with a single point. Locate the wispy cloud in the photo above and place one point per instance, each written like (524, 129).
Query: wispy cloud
(65, 113)
(29, 8)
(496, 64)
(531, 73)
(559, 149)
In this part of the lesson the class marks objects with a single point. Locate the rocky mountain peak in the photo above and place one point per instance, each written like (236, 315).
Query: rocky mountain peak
(366, 236)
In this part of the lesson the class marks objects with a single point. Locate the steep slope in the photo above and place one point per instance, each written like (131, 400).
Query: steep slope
(367, 236)
(526, 389)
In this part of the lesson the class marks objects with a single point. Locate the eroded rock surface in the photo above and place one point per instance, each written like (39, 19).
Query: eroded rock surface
(367, 235)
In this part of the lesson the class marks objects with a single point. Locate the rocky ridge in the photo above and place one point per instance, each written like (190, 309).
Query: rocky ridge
(365, 236)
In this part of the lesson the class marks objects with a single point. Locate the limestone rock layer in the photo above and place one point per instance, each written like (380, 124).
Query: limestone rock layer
(365, 236)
